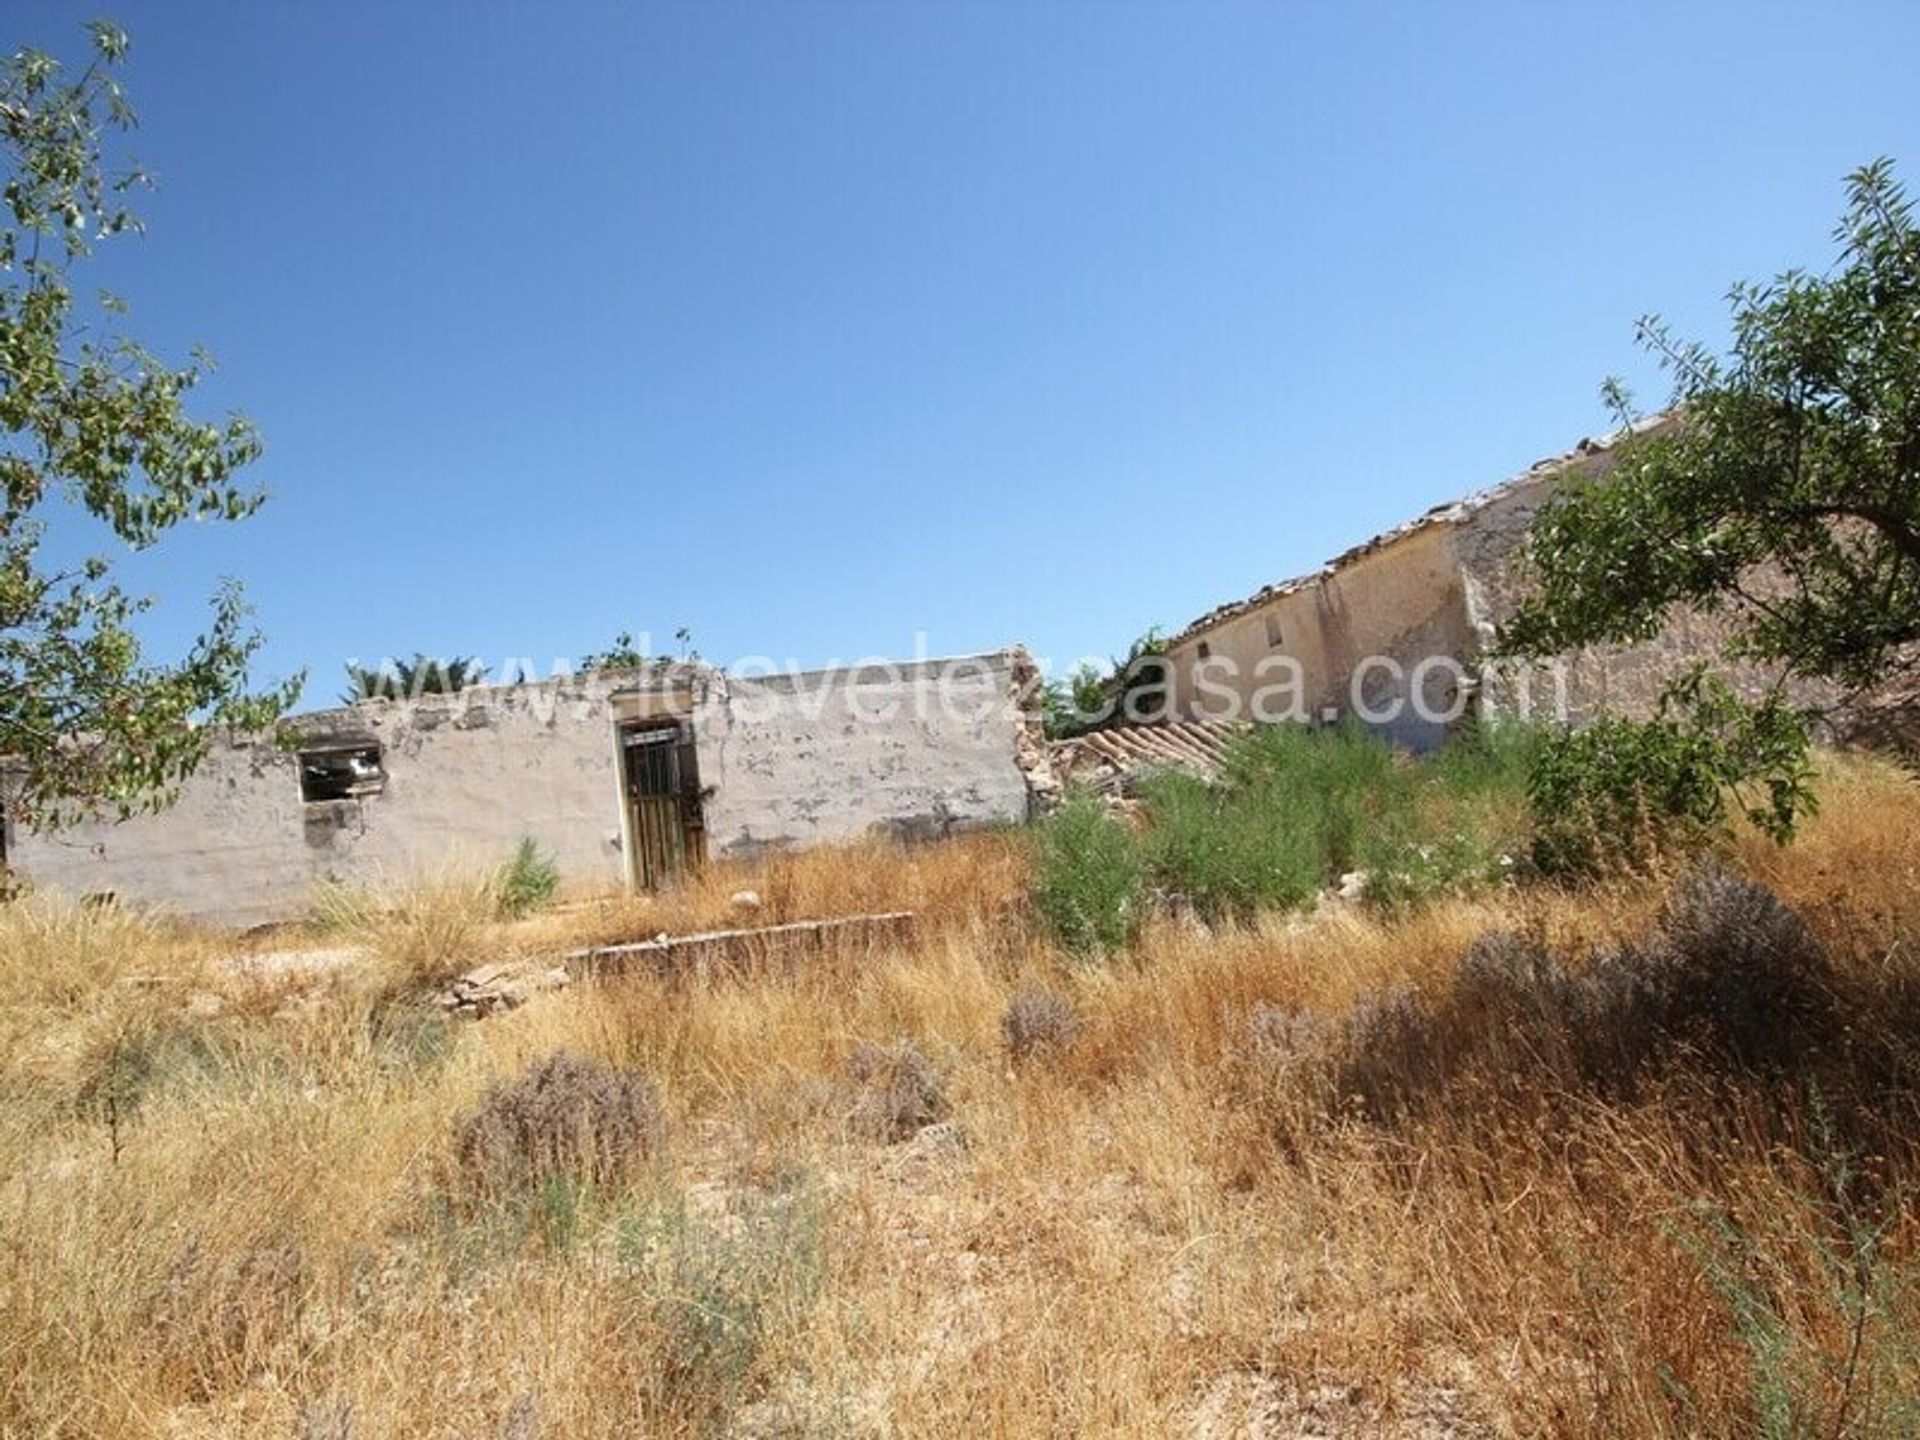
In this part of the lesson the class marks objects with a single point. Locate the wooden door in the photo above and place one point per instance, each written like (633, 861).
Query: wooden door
(663, 800)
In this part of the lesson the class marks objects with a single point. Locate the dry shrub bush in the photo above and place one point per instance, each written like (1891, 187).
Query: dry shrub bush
(327, 1417)
(1727, 978)
(1742, 968)
(900, 1092)
(1038, 1023)
(568, 1116)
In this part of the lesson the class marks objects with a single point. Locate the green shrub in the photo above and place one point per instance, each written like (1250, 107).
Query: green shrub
(527, 881)
(1620, 793)
(1232, 852)
(1342, 786)
(1087, 876)
(1295, 809)
(1624, 793)
(1480, 775)
(1464, 817)
(1302, 806)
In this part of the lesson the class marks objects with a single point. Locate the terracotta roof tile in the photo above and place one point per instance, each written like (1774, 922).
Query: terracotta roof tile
(1105, 758)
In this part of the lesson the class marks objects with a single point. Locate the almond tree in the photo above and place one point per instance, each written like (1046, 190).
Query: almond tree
(94, 432)
(1787, 495)
(1783, 497)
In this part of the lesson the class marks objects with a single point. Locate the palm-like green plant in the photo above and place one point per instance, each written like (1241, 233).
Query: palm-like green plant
(408, 679)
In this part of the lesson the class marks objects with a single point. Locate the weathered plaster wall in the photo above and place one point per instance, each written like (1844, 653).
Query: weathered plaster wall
(1402, 603)
(467, 775)
(790, 760)
(1403, 600)
(918, 749)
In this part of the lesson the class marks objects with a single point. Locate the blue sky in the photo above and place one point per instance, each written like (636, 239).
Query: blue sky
(815, 327)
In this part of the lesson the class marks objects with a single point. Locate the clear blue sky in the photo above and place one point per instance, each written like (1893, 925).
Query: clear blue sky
(813, 326)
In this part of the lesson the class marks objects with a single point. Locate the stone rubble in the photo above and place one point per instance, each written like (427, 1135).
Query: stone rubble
(505, 985)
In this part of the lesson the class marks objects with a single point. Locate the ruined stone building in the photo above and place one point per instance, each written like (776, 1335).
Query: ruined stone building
(1414, 610)
(638, 776)
(623, 777)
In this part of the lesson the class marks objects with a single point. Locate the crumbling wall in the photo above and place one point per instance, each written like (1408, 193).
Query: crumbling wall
(1627, 680)
(1032, 751)
(915, 749)
(466, 776)
(1389, 615)
(1400, 600)
(1438, 588)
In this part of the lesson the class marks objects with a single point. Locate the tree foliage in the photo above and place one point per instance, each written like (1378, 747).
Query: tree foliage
(1071, 704)
(1786, 492)
(94, 433)
(1136, 689)
(1780, 493)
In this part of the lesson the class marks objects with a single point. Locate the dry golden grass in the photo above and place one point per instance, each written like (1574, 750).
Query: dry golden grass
(1146, 1233)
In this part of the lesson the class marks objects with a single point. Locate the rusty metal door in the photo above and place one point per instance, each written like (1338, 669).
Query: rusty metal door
(663, 800)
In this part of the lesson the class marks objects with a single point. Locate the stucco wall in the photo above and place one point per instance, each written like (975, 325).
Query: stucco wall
(916, 749)
(789, 760)
(1402, 601)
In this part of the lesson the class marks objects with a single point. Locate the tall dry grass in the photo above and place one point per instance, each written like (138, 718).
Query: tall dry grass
(1162, 1226)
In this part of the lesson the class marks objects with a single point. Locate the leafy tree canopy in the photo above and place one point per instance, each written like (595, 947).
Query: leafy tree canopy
(1786, 491)
(93, 424)
(1136, 689)
(625, 653)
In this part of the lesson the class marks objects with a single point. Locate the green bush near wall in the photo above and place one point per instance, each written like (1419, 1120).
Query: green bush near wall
(1296, 808)
(1088, 876)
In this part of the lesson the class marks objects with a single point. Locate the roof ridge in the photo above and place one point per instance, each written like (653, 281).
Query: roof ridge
(1448, 512)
